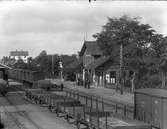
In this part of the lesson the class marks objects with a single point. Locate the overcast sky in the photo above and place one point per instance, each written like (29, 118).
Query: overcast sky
(59, 27)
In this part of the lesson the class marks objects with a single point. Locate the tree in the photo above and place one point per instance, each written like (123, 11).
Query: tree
(43, 61)
(163, 62)
(142, 46)
(67, 59)
(50, 63)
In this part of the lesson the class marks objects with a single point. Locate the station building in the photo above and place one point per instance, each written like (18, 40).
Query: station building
(100, 70)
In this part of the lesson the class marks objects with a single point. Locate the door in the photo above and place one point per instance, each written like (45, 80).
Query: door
(156, 112)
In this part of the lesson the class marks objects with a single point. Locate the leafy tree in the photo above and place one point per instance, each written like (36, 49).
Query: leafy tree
(50, 63)
(163, 62)
(44, 62)
(142, 46)
(67, 59)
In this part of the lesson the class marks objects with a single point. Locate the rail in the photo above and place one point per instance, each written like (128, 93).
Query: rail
(15, 120)
(20, 125)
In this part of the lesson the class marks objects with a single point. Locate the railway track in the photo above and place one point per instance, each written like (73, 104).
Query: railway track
(20, 113)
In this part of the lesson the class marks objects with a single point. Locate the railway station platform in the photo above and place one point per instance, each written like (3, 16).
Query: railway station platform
(108, 94)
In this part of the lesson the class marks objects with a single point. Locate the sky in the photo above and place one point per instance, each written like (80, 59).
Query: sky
(61, 26)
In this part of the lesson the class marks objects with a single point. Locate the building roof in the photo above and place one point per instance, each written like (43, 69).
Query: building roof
(19, 53)
(98, 62)
(104, 63)
(153, 92)
(4, 66)
(92, 48)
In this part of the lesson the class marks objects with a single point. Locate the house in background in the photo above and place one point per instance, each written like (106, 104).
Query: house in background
(17, 55)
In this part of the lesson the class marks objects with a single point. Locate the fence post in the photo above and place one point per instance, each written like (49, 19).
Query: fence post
(91, 102)
(70, 93)
(98, 120)
(78, 96)
(102, 104)
(96, 103)
(86, 100)
(0, 117)
(106, 119)
(125, 110)
(116, 106)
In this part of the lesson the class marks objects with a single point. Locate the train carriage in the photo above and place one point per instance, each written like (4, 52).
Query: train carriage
(26, 75)
(151, 107)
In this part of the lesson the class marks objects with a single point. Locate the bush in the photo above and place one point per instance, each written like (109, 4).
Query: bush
(155, 81)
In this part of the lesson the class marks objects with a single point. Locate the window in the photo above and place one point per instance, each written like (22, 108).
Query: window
(113, 77)
(131, 74)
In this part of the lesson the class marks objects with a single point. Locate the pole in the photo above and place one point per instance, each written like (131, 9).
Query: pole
(121, 68)
(52, 65)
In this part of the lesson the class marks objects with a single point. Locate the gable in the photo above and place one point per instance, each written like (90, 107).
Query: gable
(91, 48)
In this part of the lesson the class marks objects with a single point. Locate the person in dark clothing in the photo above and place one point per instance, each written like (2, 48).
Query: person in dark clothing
(61, 87)
(1, 126)
(88, 83)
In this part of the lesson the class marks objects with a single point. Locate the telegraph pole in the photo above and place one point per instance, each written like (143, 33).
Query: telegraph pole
(121, 63)
(121, 68)
(52, 65)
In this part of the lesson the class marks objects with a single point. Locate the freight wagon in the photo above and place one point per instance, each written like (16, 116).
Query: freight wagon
(3, 87)
(151, 107)
(26, 75)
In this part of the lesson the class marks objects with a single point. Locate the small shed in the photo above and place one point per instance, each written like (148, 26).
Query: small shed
(151, 106)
